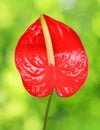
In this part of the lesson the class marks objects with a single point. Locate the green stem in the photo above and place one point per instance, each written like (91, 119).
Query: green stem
(47, 111)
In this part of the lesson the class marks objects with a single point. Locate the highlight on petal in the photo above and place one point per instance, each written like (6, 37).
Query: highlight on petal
(71, 72)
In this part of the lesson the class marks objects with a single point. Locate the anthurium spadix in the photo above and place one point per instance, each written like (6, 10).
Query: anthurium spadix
(50, 56)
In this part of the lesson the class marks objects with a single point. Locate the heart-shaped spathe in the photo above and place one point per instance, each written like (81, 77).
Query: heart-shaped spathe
(40, 78)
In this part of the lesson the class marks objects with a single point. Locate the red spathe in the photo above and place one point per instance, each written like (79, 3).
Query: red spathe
(71, 65)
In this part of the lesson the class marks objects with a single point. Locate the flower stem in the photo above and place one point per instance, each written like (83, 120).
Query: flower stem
(47, 111)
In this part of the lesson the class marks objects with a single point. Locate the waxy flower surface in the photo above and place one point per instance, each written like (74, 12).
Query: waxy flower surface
(50, 56)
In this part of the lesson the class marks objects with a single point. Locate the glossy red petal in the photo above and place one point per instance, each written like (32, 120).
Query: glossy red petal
(31, 61)
(71, 65)
(71, 73)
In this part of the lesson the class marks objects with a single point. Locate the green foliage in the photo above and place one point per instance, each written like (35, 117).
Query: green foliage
(19, 110)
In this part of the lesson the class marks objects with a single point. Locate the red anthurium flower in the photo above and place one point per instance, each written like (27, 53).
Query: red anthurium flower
(50, 56)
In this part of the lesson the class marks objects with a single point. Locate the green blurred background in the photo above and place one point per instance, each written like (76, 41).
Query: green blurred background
(19, 110)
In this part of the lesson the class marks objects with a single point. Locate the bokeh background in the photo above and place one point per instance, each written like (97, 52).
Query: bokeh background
(19, 110)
